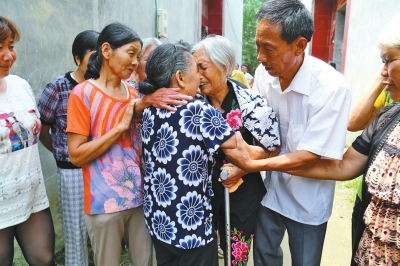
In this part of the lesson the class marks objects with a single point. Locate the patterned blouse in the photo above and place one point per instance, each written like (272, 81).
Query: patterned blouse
(53, 112)
(178, 149)
(247, 112)
(380, 243)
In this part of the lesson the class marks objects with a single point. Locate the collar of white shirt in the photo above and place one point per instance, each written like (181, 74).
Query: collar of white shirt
(300, 82)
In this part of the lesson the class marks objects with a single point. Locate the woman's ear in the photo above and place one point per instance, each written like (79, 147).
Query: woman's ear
(225, 70)
(180, 78)
(106, 50)
(230, 67)
(77, 60)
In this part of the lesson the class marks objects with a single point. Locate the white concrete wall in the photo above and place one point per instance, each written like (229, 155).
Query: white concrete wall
(232, 25)
(367, 18)
(362, 62)
(184, 19)
(310, 6)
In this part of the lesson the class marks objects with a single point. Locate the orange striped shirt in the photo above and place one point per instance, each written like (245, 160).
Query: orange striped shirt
(113, 181)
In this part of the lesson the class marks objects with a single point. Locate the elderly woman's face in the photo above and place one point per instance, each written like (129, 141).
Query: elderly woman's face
(391, 71)
(143, 60)
(212, 78)
(191, 79)
(8, 55)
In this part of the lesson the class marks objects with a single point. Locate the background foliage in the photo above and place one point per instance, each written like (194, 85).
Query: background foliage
(249, 54)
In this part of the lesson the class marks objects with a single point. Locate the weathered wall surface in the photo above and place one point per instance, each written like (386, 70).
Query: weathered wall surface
(367, 18)
(48, 28)
(232, 25)
(184, 19)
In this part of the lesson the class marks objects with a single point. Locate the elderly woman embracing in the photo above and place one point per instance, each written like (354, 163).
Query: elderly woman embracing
(248, 113)
(178, 149)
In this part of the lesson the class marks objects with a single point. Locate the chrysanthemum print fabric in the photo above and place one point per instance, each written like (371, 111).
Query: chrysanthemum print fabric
(177, 149)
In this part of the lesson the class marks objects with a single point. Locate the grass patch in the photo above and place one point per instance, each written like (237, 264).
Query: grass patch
(18, 257)
(349, 188)
(59, 252)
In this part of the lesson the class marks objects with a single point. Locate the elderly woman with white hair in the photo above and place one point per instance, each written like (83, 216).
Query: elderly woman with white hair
(248, 113)
(376, 154)
(178, 149)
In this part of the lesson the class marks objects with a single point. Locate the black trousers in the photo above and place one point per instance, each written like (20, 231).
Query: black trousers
(357, 222)
(357, 225)
(168, 255)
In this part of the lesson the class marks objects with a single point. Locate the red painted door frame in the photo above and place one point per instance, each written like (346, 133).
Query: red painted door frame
(212, 15)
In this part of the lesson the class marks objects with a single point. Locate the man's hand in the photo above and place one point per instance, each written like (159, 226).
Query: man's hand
(239, 155)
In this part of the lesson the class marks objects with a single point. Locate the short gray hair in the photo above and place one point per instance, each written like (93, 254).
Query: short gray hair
(220, 50)
(293, 17)
(390, 35)
(149, 42)
(162, 64)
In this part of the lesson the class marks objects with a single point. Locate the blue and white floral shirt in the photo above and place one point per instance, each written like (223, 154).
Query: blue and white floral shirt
(177, 149)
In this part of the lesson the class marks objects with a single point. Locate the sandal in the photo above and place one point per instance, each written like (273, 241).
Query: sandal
(220, 252)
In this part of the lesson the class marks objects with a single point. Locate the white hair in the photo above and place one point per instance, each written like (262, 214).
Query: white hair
(389, 37)
(220, 50)
(149, 42)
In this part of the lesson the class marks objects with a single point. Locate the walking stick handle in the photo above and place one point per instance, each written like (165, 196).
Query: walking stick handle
(224, 174)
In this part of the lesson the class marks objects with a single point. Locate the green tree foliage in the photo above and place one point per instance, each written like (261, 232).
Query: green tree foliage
(249, 53)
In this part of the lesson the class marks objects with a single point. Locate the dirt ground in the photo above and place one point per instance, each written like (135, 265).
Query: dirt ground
(337, 247)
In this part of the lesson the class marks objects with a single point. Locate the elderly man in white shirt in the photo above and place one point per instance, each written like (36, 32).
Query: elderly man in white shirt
(312, 101)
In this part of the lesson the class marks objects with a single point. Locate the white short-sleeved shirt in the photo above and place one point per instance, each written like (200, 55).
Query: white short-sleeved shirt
(248, 76)
(22, 188)
(313, 113)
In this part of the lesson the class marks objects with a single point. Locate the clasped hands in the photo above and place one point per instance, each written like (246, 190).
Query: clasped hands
(242, 153)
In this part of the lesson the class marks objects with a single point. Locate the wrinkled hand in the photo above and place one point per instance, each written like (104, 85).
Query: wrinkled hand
(163, 98)
(239, 155)
(128, 115)
(234, 174)
(378, 82)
